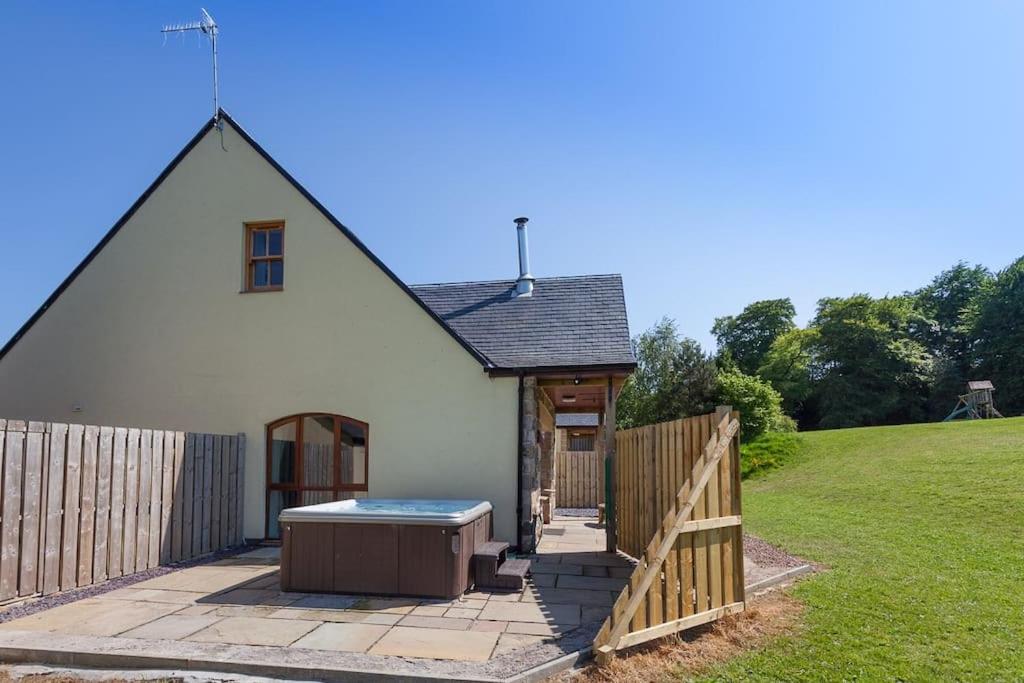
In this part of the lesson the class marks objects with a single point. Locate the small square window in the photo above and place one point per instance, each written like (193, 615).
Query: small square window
(264, 256)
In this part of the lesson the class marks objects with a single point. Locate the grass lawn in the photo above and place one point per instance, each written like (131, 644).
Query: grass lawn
(922, 527)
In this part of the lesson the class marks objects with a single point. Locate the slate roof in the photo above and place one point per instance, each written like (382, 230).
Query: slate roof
(576, 420)
(568, 322)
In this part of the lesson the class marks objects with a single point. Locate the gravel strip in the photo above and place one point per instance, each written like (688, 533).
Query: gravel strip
(576, 512)
(767, 555)
(34, 605)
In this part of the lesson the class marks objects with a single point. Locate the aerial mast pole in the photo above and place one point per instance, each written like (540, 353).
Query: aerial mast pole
(209, 27)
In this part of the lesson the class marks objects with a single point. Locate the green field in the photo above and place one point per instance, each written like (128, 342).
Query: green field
(922, 528)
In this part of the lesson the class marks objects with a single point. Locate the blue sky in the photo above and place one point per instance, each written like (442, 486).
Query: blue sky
(713, 153)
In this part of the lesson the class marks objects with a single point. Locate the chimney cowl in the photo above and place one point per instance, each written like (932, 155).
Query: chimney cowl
(524, 283)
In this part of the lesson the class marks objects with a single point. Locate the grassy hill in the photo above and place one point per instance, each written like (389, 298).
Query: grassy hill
(922, 527)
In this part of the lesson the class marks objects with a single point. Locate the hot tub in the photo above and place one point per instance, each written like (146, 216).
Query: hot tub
(383, 546)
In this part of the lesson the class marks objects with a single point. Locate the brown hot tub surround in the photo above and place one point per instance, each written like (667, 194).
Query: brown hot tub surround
(383, 546)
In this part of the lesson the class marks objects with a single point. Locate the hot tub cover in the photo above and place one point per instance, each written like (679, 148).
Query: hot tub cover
(438, 512)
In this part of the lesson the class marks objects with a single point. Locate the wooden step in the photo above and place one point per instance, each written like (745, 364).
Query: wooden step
(491, 549)
(517, 567)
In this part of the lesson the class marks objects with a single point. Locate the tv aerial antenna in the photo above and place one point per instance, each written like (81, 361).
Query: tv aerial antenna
(209, 27)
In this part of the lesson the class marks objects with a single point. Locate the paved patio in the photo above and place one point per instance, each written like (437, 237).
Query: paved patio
(230, 615)
(238, 601)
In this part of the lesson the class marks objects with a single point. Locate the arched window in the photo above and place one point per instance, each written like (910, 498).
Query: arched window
(314, 458)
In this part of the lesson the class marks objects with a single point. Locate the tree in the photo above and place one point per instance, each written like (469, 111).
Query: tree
(674, 378)
(787, 367)
(747, 337)
(950, 303)
(759, 405)
(999, 330)
(870, 366)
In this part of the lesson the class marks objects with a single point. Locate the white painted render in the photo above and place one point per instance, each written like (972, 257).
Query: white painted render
(155, 333)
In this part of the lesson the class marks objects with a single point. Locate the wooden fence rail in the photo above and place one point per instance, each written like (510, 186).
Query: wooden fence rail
(80, 504)
(579, 478)
(678, 511)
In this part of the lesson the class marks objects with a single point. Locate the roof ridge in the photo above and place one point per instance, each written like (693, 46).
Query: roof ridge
(512, 280)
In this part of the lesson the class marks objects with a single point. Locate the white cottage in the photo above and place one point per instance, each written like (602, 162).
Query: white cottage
(228, 299)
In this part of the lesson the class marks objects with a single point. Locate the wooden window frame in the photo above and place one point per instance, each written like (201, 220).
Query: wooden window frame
(250, 260)
(297, 486)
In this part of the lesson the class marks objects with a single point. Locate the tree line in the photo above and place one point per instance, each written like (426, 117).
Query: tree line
(860, 361)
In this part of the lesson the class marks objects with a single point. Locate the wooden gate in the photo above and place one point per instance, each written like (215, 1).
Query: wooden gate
(678, 512)
(579, 478)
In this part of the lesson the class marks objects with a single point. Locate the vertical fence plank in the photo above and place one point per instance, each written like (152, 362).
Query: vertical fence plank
(72, 501)
(177, 510)
(10, 531)
(197, 496)
(54, 508)
(102, 538)
(131, 500)
(118, 465)
(240, 487)
(192, 532)
(207, 492)
(32, 494)
(155, 500)
(87, 514)
(166, 498)
(145, 492)
(232, 501)
(215, 493)
(223, 537)
(44, 489)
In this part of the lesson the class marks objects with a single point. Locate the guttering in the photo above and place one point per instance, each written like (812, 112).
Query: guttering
(541, 370)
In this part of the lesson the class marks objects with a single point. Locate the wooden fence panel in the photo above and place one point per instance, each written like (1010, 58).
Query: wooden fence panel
(678, 513)
(81, 504)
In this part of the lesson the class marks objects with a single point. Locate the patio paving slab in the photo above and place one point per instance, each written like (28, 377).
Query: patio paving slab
(459, 613)
(342, 637)
(591, 583)
(323, 601)
(548, 630)
(569, 596)
(254, 631)
(513, 641)
(386, 605)
(340, 616)
(171, 627)
(489, 626)
(245, 611)
(92, 617)
(430, 611)
(555, 568)
(437, 622)
(208, 579)
(153, 595)
(532, 612)
(468, 646)
(193, 610)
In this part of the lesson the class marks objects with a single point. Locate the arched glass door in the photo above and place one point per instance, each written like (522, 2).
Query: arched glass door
(314, 458)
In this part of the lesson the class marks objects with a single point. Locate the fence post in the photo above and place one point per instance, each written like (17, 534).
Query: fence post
(610, 523)
(240, 484)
